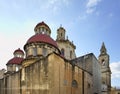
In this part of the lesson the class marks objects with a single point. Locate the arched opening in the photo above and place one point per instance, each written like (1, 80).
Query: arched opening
(62, 52)
(34, 51)
(74, 84)
(44, 51)
(74, 87)
(70, 54)
(17, 69)
(103, 62)
(61, 34)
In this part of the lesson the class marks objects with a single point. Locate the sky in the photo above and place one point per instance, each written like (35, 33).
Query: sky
(88, 23)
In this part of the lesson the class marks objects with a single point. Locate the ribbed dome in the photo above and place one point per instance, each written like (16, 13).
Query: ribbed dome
(18, 57)
(42, 24)
(15, 60)
(42, 38)
(18, 51)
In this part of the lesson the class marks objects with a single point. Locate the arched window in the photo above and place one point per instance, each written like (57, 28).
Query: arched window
(17, 68)
(34, 51)
(62, 51)
(61, 34)
(74, 84)
(103, 62)
(70, 54)
(88, 85)
(44, 51)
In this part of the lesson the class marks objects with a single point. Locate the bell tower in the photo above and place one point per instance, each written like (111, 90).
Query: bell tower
(105, 70)
(66, 47)
(61, 33)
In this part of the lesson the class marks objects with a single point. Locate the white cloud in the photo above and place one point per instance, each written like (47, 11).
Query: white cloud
(92, 3)
(55, 5)
(90, 10)
(115, 68)
(91, 6)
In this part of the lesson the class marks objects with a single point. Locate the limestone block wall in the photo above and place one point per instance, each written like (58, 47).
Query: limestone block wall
(67, 79)
(68, 48)
(88, 83)
(90, 64)
(35, 78)
(96, 75)
(10, 84)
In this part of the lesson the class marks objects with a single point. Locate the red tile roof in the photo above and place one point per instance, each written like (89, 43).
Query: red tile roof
(42, 38)
(15, 60)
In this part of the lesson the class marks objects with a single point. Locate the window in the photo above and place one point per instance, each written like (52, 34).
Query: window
(17, 68)
(62, 52)
(34, 51)
(88, 85)
(61, 34)
(103, 62)
(103, 82)
(74, 84)
(44, 52)
(70, 54)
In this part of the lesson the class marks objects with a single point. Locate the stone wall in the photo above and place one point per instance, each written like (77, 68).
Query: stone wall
(49, 75)
(96, 75)
(90, 64)
(10, 84)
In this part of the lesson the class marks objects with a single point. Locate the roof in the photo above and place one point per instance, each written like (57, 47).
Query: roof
(42, 38)
(18, 51)
(61, 28)
(15, 60)
(41, 24)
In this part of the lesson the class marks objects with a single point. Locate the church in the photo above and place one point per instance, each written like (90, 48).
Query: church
(48, 66)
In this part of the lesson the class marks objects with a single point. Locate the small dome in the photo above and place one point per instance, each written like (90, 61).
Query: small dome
(18, 51)
(42, 24)
(18, 57)
(42, 38)
(15, 60)
(61, 28)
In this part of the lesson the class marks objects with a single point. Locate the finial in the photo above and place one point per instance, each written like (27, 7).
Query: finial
(60, 25)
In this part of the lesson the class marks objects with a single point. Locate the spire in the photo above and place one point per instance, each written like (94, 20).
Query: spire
(103, 49)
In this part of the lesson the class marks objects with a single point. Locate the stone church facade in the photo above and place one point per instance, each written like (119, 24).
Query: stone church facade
(47, 66)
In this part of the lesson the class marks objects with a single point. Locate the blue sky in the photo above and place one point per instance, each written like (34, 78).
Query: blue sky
(88, 23)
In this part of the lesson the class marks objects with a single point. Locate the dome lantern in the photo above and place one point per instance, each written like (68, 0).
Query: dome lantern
(18, 53)
(42, 28)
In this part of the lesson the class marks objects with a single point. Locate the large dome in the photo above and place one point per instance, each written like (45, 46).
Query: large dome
(41, 44)
(43, 38)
